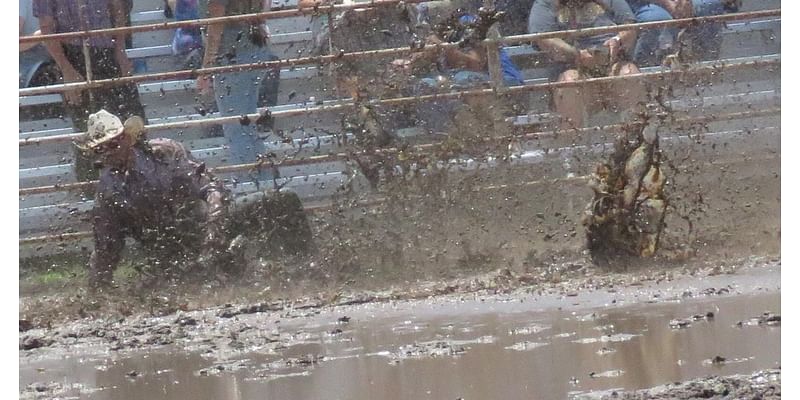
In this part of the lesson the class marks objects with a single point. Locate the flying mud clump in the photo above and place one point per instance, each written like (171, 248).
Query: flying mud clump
(626, 214)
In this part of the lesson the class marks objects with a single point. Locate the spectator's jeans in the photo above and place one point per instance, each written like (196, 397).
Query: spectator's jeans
(237, 94)
(436, 115)
(706, 38)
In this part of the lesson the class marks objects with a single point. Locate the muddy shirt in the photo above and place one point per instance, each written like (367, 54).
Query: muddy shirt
(549, 16)
(159, 199)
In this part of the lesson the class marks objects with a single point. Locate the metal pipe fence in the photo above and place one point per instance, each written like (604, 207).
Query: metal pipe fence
(326, 59)
(82, 186)
(695, 70)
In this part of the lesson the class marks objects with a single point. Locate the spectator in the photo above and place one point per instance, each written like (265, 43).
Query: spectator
(654, 44)
(108, 60)
(469, 66)
(586, 57)
(237, 93)
(459, 68)
(33, 57)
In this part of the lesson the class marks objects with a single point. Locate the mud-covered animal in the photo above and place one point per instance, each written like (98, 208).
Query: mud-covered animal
(626, 214)
(275, 220)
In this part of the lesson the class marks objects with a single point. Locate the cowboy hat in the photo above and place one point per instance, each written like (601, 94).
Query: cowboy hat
(103, 127)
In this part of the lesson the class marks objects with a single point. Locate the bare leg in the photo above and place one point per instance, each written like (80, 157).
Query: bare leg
(628, 94)
(569, 102)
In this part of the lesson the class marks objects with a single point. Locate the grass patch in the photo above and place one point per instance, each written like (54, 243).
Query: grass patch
(53, 277)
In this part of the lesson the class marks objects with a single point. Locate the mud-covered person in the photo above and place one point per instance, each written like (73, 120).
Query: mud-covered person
(152, 191)
(587, 56)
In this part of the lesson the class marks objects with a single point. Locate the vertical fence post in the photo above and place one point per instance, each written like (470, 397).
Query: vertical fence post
(492, 44)
(493, 59)
(84, 25)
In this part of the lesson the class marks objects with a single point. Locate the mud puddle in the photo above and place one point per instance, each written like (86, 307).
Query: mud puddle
(488, 353)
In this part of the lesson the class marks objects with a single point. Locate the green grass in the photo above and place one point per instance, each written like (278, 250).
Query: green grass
(49, 278)
(54, 272)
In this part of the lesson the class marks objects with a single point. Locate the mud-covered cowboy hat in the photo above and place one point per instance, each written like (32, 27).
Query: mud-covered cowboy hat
(103, 127)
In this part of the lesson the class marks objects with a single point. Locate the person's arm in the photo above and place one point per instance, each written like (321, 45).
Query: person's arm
(311, 3)
(47, 25)
(543, 19)
(119, 17)
(558, 50)
(216, 8)
(472, 60)
(621, 14)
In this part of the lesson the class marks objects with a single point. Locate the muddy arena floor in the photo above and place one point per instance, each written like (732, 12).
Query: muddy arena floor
(469, 285)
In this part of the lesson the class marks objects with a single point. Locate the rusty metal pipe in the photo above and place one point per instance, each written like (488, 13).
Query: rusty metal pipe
(82, 186)
(254, 17)
(193, 74)
(413, 99)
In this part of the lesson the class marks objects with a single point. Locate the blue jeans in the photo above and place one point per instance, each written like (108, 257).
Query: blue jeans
(706, 38)
(237, 94)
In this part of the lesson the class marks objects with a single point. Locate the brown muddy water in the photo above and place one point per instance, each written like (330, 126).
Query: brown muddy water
(494, 350)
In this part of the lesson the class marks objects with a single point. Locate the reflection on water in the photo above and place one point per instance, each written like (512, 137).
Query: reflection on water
(509, 356)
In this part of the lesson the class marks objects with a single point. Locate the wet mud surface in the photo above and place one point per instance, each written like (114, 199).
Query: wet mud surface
(550, 341)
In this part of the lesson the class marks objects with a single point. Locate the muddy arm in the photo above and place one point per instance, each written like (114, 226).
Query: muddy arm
(559, 50)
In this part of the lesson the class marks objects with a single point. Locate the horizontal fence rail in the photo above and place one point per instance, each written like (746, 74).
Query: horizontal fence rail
(713, 68)
(375, 200)
(81, 186)
(327, 59)
(253, 17)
